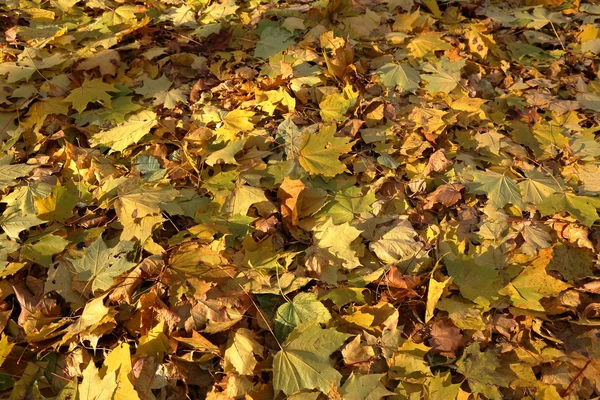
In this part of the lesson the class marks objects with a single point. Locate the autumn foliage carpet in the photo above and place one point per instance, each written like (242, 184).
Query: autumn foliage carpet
(328, 199)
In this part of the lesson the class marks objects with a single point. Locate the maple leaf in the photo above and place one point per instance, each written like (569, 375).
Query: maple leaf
(364, 387)
(397, 244)
(372, 168)
(402, 77)
(242, 198)
(107, 61)
(337, 240)
(91, 91)
(481, 371)
(99, 264)
(40, 110)
(303, 362)
(537, 186)
(427, 43)
(93, 387)
(583, 208)
(334, 106)
(58, 206)
(170, 99)
(476, 282)
(534, 283)
(234, 122)
(273, 40)
(118, 361)
(29, 64)
(304, 308)
(124, 135)
(444, 76)
(240, 351)
(319, 152)
(151, 87)
(9, 173)
(499, 188)
(441, 387)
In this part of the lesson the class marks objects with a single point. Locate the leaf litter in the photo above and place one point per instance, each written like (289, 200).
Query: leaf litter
(307, 200)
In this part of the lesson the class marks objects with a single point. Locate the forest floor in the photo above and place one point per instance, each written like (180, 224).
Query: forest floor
(316, 199)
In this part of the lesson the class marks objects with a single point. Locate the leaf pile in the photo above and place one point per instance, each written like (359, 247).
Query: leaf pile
(316, 199)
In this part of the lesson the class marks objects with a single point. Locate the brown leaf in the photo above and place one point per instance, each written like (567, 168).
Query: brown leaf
(395, 279)
(592, 311)
(446, 338)
(355, 352)
(437, 162)
(446, 195)
(149, 267)
(288, 195)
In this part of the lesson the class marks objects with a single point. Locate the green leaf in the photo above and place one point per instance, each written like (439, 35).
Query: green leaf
(426, 44)
(303, 362)
(334, 106)
(91, 91)
(537, 186)
(149, 167)
(171, 98)
(242, 198)
(347, 204)
(9, 173)
(499, 188)
(15, 222)
(534, 283)
(337, 240)
(42, 249)
(476, 282)
(480, 370)
(131, 132)
(99, 264)
(273, 40)
(365, 387)
(402, 77)
(444, 76)
(151, 87)
(304, 308)
(120, 107)
(319, 152)
(582, 208)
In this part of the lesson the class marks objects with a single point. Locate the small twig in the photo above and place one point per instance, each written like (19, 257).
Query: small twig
(566, 391)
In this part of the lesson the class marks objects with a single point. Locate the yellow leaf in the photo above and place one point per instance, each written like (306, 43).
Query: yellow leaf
(234, 122)
(5, 348)
(118, 361)
(240, 351)
(427, 43)
(93, 387)
(433, 295)
(155, 343)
